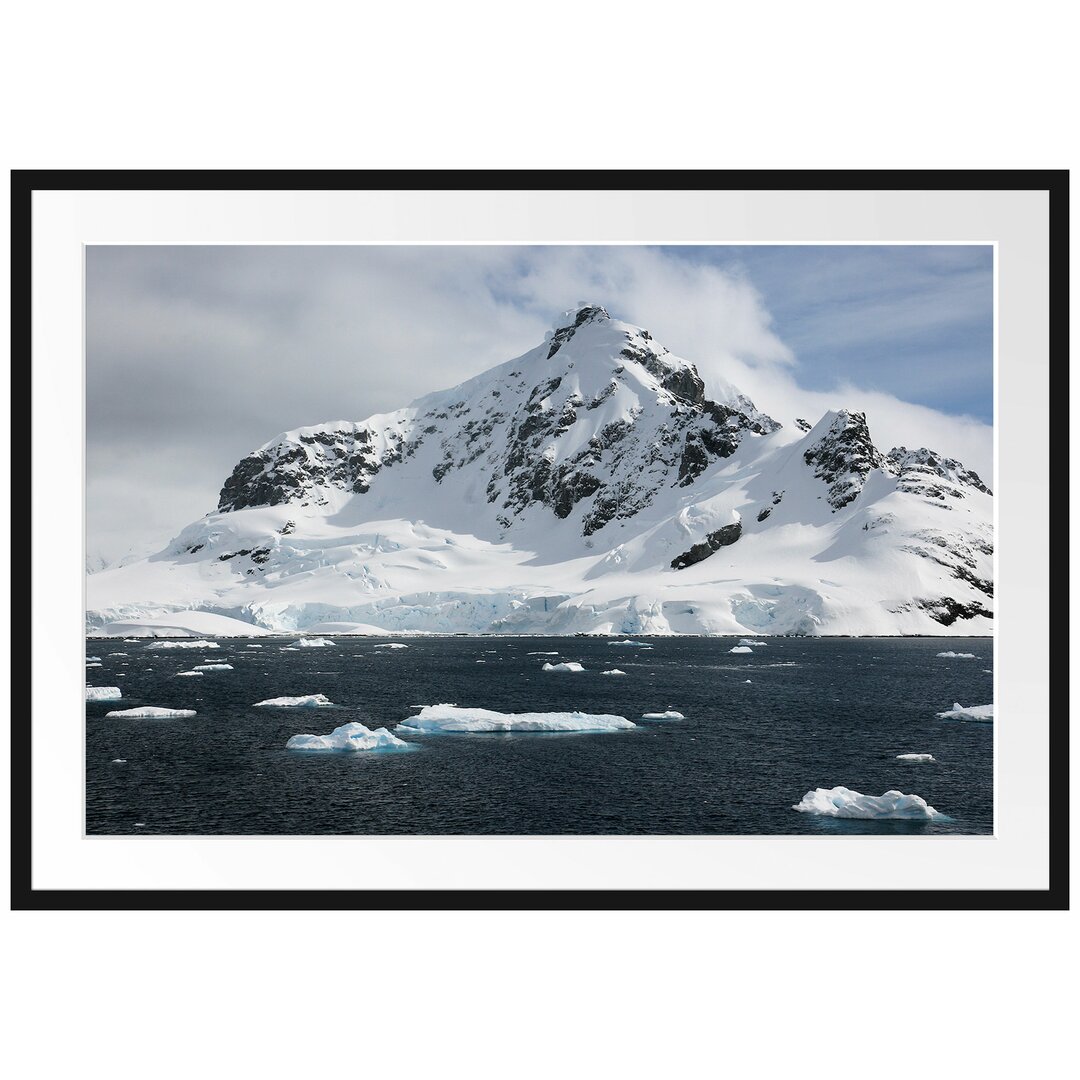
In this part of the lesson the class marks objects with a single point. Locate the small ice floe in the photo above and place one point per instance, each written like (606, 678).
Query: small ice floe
(987, 671)
(308, 701)
(752, 641)
(92, 659)
(915, 757)
(157, 645)
(103, 693)
(391, 645)
(542, 654)
(571, 665)
(842, 802)
(613, 671)
(189, 674)
(111, 654)
(151, 712)
(633, 644)
(741, 649)
(747, 680)
(310, 643)
(349, 738)
(92, 663)
(450, 720)
(481, 661)
(958, 655)
(118, 761)
(983, 714)
(669, 715)
(212, 667)
(252, 646)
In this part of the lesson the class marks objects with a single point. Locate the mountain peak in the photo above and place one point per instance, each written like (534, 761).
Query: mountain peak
(572, 321)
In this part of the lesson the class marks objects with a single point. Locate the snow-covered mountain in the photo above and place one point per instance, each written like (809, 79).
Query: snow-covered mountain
(591, 485)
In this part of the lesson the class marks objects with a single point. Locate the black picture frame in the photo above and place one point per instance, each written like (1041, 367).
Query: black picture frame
(24, 183)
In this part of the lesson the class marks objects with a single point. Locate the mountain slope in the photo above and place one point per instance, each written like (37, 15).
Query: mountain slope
(591, 485)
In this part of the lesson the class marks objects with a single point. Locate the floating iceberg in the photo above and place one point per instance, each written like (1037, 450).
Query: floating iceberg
(915, 757)
(571, 665)
(349, 737)
(958, 655)
(669, 715)
(983, 714)
(741, 649)
(752, 641)
(252, 646)
(91, 663)
(118, 761)
(310, 701)
(154, 645)
(310, 643)
(634, 644)
(447, 719)
(188, 674)
(103, 693)
(842, 802)
(391, 645)
(212, 667)
(151, 712)
(92, 659)
(546, 653)
(613, 671)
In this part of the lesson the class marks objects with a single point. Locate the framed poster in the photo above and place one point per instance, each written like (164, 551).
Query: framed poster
(540, 539)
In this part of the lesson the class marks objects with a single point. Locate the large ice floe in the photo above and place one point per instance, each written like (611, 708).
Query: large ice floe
(983, 714)
(350, 738)
(669, 715)
(152, 712)
(752, 641)
(310, 643)
(450, 720)
(571, 665)
(613, 671)
(157, 645)
(189, 674)
(958, 655)
(741, 649)
(308, 701)
(915, 757)
(633, 644)
(842, 802)
(391, 645)
(103, 693)
(212, 667)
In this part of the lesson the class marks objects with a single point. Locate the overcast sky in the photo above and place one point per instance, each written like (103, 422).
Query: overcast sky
(197, 355)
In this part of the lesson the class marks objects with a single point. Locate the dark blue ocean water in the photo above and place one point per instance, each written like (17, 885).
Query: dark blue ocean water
(818, 712)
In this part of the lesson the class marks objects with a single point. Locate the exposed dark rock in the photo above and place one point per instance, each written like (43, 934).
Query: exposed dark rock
(920, 472)
(947, 610)
(709, 546)
(843, 457)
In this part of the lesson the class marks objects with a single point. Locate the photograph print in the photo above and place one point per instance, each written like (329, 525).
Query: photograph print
(549, 539)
